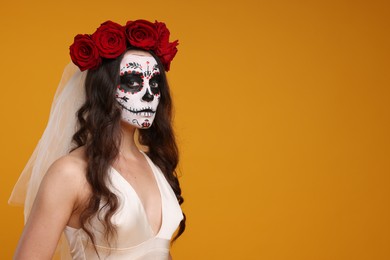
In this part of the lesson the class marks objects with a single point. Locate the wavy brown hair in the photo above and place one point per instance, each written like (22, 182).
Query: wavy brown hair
(99, 131)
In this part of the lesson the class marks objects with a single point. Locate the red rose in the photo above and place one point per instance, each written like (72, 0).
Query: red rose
(84, 52)
(162, 31)
(166, 52)
(142, 34)
(110, 39)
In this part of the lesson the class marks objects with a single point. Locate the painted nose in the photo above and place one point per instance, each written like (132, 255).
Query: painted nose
(148, 97)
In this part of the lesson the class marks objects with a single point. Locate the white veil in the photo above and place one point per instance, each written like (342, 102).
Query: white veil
(56, 140)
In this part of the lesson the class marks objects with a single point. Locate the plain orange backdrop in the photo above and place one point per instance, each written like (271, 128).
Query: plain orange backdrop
(282, 117)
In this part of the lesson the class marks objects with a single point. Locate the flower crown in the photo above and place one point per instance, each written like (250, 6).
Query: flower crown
(110, 40)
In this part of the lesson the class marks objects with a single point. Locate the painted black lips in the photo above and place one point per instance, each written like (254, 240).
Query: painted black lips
(142, 111)
(145, 110)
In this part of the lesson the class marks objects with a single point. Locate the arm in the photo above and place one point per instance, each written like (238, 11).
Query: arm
(53, 206)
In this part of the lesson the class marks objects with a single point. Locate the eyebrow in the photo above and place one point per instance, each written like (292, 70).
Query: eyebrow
(131, 73)
(127, 69)
(156, 75)
(136, 68)
(126, 76)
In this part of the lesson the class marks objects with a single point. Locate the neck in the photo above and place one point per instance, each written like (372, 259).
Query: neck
(128, 148)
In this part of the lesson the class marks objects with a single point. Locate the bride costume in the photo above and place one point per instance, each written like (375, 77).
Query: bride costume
(135, 239)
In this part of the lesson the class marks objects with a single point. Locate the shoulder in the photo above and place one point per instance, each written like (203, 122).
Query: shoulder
(68, 174)
(69, 167)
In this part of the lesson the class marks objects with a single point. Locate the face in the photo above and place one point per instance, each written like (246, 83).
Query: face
(139, 92)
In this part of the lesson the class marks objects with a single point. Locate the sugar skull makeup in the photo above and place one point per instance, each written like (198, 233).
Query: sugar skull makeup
(139, 92)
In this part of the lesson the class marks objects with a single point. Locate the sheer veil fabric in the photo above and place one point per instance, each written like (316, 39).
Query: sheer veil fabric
(55, 142)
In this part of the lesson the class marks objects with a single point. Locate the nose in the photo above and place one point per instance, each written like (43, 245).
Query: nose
(147, 97)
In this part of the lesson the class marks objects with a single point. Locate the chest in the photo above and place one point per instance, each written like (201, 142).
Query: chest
(140, 180)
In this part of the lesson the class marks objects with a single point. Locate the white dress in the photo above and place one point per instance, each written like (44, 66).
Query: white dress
(135, 237)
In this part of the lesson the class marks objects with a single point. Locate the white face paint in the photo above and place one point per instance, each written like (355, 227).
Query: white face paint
(139, 91)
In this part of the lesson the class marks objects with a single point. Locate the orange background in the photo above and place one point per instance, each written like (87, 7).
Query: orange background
(282, 116)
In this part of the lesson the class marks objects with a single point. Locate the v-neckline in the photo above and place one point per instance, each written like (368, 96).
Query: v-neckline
(151, 167)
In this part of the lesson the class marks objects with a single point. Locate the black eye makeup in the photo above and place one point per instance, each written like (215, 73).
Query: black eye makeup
(131, 82)
(154, 84)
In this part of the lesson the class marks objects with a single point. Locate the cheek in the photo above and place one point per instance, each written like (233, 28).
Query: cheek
(123, 95)
(119, 90)
(157, 97)
(157, 93)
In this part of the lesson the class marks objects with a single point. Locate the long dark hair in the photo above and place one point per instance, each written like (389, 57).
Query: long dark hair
(99, 131)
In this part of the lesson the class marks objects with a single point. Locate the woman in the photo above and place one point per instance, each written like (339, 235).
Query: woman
(111, 200)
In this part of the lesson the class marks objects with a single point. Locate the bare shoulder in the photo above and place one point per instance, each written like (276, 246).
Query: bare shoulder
(69, 171)
(70, 166)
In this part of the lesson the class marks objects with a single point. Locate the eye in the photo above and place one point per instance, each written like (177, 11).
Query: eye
(131, 82)
(154, 84)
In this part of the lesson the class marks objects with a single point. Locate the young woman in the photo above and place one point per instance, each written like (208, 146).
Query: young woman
(111, 187)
